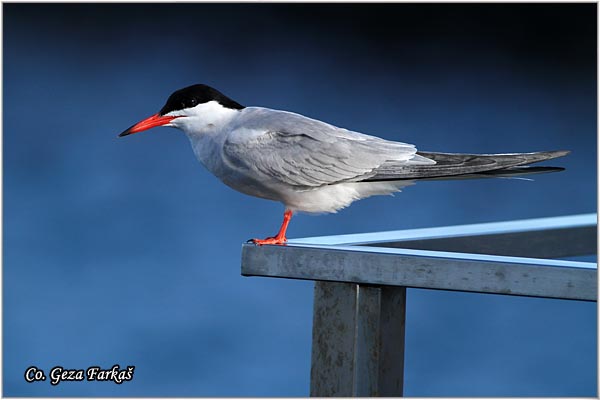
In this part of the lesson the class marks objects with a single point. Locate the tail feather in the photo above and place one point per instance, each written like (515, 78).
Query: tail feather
(464, 166)
(513, 172)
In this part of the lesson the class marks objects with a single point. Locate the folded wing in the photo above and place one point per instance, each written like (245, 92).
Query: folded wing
(294, 150)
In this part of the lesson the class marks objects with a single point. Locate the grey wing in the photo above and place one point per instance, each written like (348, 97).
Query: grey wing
(294, 150)
(454, 165)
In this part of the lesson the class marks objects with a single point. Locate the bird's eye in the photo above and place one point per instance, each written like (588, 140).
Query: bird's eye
(193, 102)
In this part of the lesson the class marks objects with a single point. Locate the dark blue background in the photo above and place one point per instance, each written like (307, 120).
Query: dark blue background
(127, 251)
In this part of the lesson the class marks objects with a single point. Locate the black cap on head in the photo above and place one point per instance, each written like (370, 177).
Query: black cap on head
(193, 95)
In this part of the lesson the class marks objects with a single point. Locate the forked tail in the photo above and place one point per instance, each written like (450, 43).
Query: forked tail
(465, 166)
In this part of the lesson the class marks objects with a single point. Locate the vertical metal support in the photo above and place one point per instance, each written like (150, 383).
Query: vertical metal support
(332, 363)
(391, 362)
(358, 340)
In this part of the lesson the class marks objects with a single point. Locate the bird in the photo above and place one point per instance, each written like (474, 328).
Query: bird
(309, 165)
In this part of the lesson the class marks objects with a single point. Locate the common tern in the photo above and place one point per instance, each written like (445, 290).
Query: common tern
(306, 164)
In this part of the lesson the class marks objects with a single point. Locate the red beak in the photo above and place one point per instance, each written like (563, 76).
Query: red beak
(150, 122)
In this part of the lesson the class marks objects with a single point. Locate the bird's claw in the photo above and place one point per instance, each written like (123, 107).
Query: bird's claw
(270, 240)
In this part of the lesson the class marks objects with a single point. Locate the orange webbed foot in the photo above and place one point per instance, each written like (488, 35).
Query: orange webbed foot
(280, 237)
(270, 240)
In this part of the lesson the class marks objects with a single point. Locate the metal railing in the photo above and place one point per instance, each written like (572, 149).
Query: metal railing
(361, 281)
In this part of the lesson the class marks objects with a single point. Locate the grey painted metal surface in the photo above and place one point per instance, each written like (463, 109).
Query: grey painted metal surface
(340, 261)
(361, 281)
(426, 269)
(465, 231)
(358, 340)
(550, 243)
(333, 348)
(392, 328)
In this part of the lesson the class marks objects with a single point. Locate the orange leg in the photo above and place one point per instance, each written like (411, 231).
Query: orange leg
(280, 237)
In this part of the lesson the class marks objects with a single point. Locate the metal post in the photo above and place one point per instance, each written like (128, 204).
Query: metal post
(358, 340)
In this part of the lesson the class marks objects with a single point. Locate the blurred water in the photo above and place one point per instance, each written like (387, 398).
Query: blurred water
(126, 251)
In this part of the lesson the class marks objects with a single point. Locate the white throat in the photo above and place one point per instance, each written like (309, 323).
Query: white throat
(204, 118)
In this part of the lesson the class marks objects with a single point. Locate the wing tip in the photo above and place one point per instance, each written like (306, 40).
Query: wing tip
(550, 155)
(560, 153)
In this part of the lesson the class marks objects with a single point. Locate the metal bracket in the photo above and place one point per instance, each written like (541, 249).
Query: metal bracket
(361, 281)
